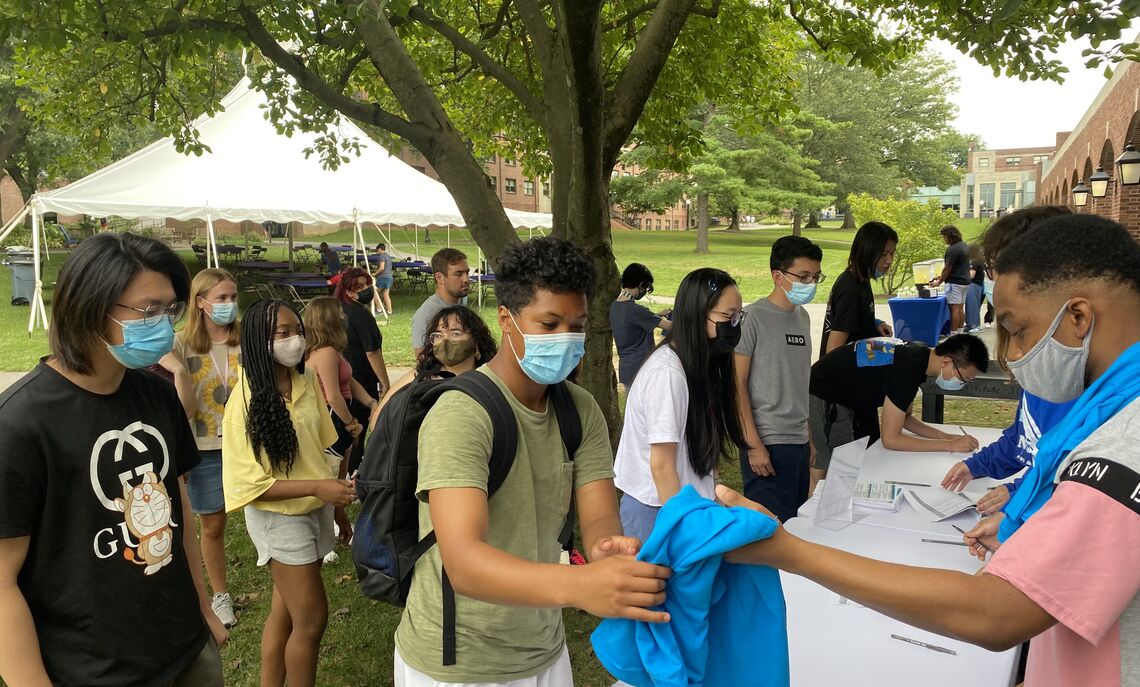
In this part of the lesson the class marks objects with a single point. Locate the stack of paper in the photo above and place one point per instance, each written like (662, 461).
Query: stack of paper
(938, 503)
(877, 496)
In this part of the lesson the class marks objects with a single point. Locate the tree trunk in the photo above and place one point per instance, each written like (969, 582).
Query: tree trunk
(848, 219)
(702, 223)
(797, 218)
(813, 220)
(734, 223)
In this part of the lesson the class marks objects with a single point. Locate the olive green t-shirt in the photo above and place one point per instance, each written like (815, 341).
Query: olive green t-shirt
(498, 643)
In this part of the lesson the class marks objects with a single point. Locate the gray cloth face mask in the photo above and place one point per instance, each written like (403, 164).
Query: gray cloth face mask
(1051, 370)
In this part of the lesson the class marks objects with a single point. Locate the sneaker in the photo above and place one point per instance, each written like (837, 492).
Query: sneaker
(223, 607)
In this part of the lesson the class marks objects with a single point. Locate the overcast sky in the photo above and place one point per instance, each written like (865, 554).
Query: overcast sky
(1008, 113)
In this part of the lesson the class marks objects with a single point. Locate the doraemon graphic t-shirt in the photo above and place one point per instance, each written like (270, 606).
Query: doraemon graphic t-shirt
(93, 480)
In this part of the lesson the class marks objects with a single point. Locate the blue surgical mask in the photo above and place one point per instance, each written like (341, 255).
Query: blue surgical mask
(988, 289)
(879, 274)
(801, 294)
(223, 313)
(549, 358)
(143, 345)
(952, 384)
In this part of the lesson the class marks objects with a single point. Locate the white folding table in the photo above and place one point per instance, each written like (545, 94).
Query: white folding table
(832, 641)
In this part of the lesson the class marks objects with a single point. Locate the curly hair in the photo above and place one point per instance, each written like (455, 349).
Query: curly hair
(1071, 248)
(547, 263)
(268, 424)
(1008, 227)
(348, 283)
(469, 321)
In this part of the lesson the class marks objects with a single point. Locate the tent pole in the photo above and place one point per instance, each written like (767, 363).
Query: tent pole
(211, 240)
(480, 263)
(416, 241)
(357, 238)
(449, 235)
(14, 222)
(38, 311)
(289, 232)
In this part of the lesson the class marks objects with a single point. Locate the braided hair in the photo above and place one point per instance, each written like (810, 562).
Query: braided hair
(268, 425)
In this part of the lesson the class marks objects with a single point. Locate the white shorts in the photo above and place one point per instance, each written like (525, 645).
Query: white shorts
(557, 675)
(956, 293)
(290, 539)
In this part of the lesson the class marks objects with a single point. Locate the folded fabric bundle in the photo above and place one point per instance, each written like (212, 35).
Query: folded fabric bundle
(727, 622)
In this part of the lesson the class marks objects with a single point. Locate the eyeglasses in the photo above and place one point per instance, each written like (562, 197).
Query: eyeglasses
(958, 372)
(648, 288)
(733, 318)
(452, 334)
(817, 278)
(153, 314)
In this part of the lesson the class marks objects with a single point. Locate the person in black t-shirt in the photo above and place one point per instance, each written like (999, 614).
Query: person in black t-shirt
(956, 276)
(850, 384)
(975, 293)
(100, 570)
(851, 305)
(364, 351)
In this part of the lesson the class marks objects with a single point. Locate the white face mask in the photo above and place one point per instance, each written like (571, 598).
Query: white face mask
(1051, 370)
(289, 352)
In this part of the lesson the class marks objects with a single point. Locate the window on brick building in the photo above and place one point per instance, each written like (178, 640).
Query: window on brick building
(508, 162)
(494, 182)
(546, 190)
(511, 186)
(658, 225)
(1013, 160)
(983, 162)
(528, 188)
(1040, 158)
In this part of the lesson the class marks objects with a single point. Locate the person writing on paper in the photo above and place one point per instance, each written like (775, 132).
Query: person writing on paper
(850, 384)
(1034, 416)
(1069, 576)
(681, 414)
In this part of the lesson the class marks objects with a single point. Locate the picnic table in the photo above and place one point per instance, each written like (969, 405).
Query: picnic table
(264, 265)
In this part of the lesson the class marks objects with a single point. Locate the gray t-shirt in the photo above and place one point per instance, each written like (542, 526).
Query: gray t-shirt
(633, 327)
(779, 343)
(957, 257)
(384, 267)
(422, 318)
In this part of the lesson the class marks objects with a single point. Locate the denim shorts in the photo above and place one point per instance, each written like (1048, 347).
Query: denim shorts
(204, 484)
(637, 519)
(384, 282)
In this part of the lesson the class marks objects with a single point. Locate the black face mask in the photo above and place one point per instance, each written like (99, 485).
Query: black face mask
(365, 296)
(727, 336)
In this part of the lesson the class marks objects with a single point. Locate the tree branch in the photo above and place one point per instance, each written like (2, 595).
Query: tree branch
(824, 45)
(349, 68)
(536, 26)
(635, 83)
(630, 16)
(490, 67)
(313, 83)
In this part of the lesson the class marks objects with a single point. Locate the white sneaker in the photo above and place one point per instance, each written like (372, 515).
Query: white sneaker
(223, 607)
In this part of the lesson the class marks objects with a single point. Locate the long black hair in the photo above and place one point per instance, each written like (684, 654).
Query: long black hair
(712, 427)
(869, 243)
(267, 423)
(469, 320)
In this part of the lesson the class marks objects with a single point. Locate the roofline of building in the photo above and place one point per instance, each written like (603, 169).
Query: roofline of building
(1117, 75)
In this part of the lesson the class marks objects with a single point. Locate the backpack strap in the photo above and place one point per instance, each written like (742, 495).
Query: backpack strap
(504, 445)
(570, 427)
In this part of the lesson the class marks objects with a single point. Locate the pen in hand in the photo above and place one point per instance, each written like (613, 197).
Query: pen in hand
(984, 547)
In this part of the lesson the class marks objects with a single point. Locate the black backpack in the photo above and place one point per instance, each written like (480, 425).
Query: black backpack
(386, 542)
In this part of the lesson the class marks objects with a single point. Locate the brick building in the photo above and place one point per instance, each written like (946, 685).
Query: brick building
(1004, 179)
(515, 190)
(1112, 121)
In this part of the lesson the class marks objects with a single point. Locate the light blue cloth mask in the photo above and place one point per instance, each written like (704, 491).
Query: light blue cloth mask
(549, 358)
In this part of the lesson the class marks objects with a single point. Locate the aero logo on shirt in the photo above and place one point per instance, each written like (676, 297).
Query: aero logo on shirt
(795, 339)
(126, 479)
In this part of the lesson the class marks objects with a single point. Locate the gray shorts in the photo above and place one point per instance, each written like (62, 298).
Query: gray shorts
(832, 425)
(956, 293)
(203, 671)
(290, 539)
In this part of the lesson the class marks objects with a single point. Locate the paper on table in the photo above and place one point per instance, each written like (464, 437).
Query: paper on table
(938, 503)
(838, 600)
(834, 511)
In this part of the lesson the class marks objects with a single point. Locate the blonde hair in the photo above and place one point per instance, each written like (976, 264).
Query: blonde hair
(324, 325)
(194, 333)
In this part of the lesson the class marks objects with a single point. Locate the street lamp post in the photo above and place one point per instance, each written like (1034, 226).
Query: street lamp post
(1099, 183)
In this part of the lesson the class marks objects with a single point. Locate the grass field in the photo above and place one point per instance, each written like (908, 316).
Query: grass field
(358, 645)
(669, 255)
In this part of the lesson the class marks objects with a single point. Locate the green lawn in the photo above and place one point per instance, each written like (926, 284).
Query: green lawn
(357, 648)
(669, 255)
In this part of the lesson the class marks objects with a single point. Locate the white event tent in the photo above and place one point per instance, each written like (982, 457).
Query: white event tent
(252, 172)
